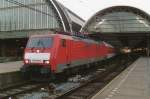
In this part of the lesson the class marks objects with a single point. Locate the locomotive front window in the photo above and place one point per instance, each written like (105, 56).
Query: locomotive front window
(40, 42)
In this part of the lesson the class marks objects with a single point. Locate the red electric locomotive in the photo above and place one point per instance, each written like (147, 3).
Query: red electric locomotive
(55, 53)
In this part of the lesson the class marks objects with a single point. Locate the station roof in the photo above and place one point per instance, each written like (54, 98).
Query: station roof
(119, 25)
(71, 21)
(22, 18)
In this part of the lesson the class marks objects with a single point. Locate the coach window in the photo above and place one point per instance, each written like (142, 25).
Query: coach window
(63, 42)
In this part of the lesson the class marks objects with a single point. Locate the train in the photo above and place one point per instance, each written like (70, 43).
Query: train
(50, 54)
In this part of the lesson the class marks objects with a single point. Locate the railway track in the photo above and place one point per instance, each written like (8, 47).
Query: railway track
(13, 91)
(87, 90)
(102, 78)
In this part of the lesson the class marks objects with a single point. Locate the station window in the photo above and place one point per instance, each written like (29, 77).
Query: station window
(63, 42)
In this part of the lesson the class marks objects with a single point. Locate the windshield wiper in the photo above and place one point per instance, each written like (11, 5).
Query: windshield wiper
(41, 43)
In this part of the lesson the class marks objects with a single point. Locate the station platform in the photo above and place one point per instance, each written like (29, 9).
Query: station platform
(10, 66)
(10, 74)
(133, 83)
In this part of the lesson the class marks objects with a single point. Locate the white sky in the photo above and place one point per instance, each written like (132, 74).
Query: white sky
(86, 8)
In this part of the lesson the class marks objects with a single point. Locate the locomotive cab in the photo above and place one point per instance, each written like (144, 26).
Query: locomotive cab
(38, 55)
(38, 50)
(46, 55)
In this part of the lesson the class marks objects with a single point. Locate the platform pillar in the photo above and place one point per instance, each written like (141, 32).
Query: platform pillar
(148, 45)
(3, 48)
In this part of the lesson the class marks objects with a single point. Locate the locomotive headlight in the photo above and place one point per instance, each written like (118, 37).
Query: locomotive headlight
(26, 61)
(37, 51)
(46, 62)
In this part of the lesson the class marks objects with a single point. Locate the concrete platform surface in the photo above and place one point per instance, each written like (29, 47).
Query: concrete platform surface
(133, 83)
(10, 66)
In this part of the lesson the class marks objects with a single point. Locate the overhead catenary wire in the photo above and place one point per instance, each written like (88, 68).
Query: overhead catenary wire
(83, 3)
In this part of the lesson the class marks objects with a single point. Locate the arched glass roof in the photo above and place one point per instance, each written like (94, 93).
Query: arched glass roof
(120, 26)
(118, 19)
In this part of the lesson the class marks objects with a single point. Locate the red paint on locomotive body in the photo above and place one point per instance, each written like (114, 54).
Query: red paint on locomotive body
(58, 52)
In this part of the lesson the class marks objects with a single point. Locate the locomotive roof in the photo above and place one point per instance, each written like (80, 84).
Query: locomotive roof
(66, 37)
(51, 35)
